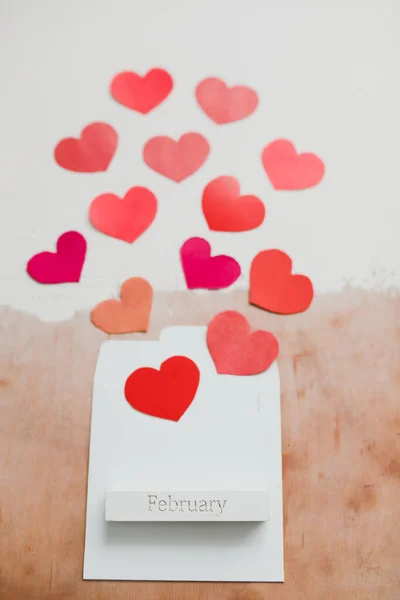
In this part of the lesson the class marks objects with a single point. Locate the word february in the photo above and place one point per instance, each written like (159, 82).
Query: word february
(186, 505)
(172, 505)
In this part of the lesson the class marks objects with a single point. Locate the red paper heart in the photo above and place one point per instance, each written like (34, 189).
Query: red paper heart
(166, 393)
(237, 351)
(91, 152)
(141, 93)
(62, 266)
(176, 160)
(223, 104)
(288, 170)
(273, 287)
(124, 219)
(225, 210)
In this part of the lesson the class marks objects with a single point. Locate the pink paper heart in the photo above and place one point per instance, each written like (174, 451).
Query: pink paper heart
(204, 271)
(288, 170)
(62, 266)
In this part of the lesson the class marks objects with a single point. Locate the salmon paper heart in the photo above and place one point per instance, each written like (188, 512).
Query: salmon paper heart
(226, 210)
(176, 160)
(124, 219)
(166, 393)
(236, 350)
(142, 94)
(288, 170)
(128, 315)
(91, 152)
(223, 104)
(274, 288)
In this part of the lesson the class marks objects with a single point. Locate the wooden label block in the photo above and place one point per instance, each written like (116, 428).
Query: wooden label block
(219, 505)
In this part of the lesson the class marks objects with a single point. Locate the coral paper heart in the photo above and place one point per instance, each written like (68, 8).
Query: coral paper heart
(124, 219)
(223, 104)
(128, 315)
(204, 271)
(141, 93)
(176, 160)
(226, 210)
(91, 152)
(237, 351)
(166, 393)
(274, 288)
(288, 170)
(62, 266)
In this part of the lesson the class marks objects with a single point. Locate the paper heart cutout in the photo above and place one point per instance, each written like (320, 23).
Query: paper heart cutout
(63, 266)
(226, 210)
(89, 153)
(223, 104)
(124, 219)
(129, 314)
(236, 350)
(204, 271)
(166, 393)
(141, 93)
(288, 170)
(176, 160)
(274, 288)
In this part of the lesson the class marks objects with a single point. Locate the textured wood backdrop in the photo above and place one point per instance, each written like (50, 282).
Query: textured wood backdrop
(340, 377)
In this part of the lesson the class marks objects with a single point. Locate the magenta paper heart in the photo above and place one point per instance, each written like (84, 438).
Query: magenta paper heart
(206, 272)
(62, 266)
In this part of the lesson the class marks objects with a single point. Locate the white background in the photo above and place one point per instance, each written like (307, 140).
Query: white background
(327, 74)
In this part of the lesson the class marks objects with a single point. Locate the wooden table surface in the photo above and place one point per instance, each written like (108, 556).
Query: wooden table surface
(340, 377)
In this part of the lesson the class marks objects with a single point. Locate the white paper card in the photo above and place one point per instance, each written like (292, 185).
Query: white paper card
(228, 439)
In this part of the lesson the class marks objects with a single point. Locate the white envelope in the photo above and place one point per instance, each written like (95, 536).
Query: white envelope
(229, 438)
